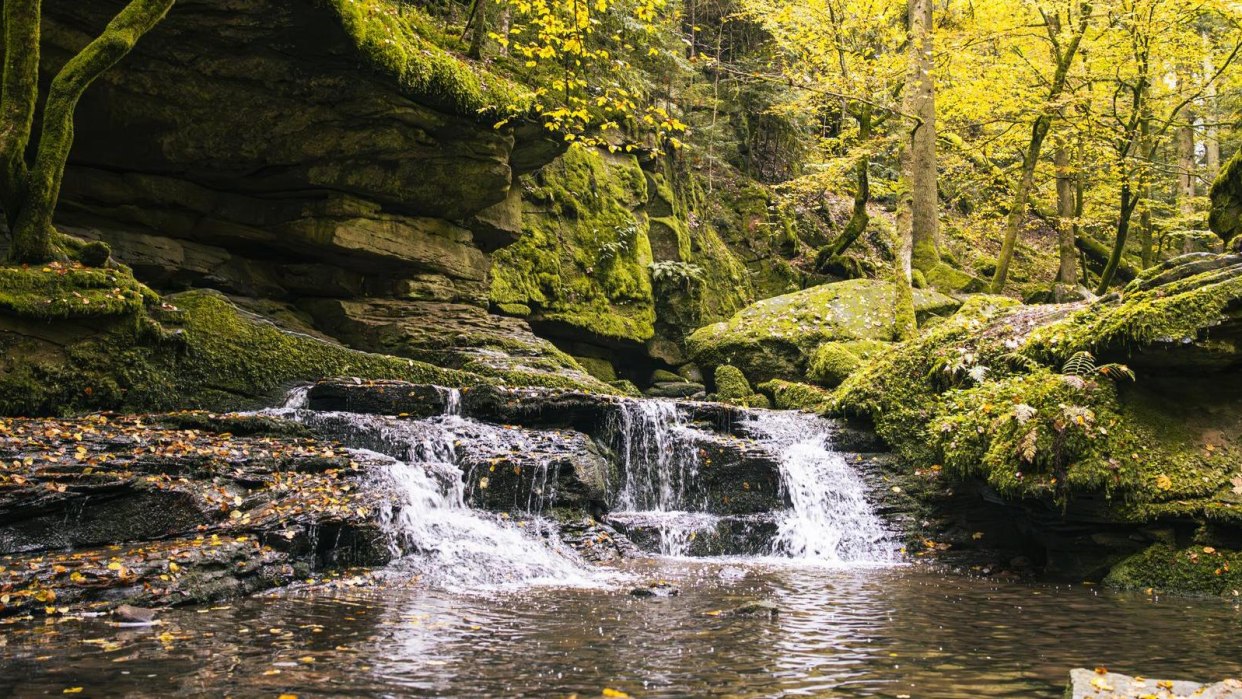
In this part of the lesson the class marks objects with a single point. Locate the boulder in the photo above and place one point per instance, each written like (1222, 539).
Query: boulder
(774, 338)
(1225, 215)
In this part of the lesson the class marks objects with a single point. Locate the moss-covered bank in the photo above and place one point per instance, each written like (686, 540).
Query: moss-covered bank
(192, 350)
(1029, 402)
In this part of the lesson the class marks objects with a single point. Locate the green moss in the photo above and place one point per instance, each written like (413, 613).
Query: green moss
(731, 385)
(1183, 311)
(774, 338)
(626, 388)
(789, 395)
(59, 291)
(583, 256)
(395, 40)
(601, 369)
(1197, 569)
(832, 363)
(218, 358)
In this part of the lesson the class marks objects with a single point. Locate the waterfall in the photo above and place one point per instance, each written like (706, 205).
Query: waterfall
(658, 459)
(659, 464)
(298, 398)
(830, 519)
(431, 527)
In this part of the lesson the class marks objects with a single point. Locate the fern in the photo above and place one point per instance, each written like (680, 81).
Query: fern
(1019, 361)
(671, 272)
(1116, 371)
(1082, 365)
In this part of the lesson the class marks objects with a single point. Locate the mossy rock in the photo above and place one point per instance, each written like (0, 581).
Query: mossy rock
(1225, 215)
(1196, 569)
(203, 353)
(64, 291)
(601, 369)
(949, 279)
(790, 395)
(774, 338)
(396, 43)
(833, 362)
(731, 384)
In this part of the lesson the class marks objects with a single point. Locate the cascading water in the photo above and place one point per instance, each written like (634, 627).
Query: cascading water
(659, 465)
(830, 519)
(443, 539)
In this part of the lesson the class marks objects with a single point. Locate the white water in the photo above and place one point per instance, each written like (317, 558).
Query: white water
(453, 545)
(831, 520)
(431, 528)
(658, 460)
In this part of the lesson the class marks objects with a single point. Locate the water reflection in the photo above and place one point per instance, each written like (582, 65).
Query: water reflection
(842, 632)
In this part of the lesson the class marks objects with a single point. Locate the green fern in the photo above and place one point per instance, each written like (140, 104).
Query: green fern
(1019, 361)
(1082, 365)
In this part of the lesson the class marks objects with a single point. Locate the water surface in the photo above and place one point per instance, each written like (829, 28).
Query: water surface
(841, 632)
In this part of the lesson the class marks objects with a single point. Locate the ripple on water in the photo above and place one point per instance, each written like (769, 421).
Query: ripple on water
(841, 632)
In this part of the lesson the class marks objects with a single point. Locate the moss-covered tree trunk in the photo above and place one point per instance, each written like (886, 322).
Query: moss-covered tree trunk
(862, 192)
(925, 203)
(1067, 221)
(1064, 54)
(30, 196)
(18, 95)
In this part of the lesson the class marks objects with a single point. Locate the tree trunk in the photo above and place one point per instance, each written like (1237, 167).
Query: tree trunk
(1211, 143)
(1186, 166)
(1128, 202)
(923, 172)
(482, 25)
(1017, 210)
(1146, 251)
(19, 92)
(33, 240)
(862, 194)
(1067, 222)
(1039, 130)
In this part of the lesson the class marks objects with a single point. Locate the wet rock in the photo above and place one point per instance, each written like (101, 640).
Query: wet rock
(1101, 684)
(201, 516)
(703, 534)
(656, 589)
(378, 397)
(675, 389)
(764, 609)
(127, 613)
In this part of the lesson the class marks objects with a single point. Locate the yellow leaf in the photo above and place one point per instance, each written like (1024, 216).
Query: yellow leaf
(72, 690)
(615, 693)
(1163, 482)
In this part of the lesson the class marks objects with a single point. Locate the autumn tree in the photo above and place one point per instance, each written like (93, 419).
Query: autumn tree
(29, 188)
(1064, 31)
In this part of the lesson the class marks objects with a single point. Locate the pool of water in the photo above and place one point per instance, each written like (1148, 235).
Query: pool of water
(840, 632)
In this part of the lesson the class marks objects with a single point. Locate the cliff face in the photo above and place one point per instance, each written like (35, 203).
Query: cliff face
(323, 163)
(317, 161)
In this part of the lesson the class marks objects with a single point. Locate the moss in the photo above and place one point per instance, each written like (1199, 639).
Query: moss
(59, 291)
(789, 395)
(1197, 569)
(1180, 312)
(1225, 215)
(774, 338)
(961, 398)
(731, 384)
(601, 369)
(218, 358)
(626, 388)
(582, 260)
(396, 41)
(832, 363)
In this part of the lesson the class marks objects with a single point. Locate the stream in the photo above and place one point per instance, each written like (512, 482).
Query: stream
(486, 604)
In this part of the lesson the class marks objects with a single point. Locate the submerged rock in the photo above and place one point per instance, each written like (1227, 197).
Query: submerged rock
(757, 608)
(1101, 684)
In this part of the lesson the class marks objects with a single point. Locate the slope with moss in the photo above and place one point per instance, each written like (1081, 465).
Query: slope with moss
(1030, 404)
